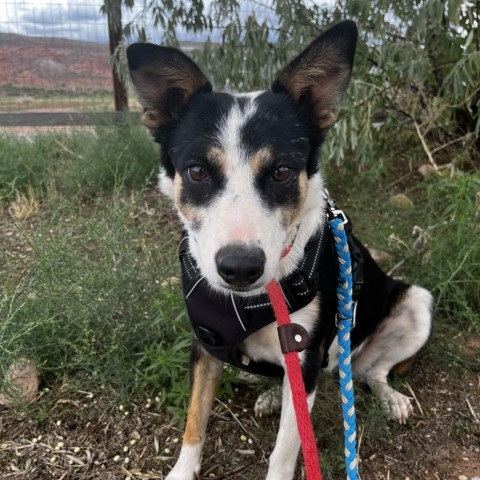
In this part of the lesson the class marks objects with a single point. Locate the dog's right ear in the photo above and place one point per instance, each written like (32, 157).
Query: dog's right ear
(165, 79)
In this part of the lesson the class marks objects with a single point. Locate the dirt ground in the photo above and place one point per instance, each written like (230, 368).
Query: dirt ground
(79, 434)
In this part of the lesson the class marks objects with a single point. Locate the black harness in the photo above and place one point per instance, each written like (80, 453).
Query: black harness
(221, 323)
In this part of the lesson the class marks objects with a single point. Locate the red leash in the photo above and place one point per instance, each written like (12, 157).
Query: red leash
(294, 372)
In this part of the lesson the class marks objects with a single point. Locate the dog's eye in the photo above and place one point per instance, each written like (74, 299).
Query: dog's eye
(282, 173)
(197, 173)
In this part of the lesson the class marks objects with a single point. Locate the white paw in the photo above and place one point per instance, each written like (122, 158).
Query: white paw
(398, 406)
(181, 474)
(269, 402)
(188, 464)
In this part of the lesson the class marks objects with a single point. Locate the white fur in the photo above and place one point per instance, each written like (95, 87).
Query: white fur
(165, 184)
(397, 338)
(239, 214)
(284, 456)
(188, 463)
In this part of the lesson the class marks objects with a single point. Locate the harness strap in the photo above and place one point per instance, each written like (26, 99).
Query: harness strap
(222, 323)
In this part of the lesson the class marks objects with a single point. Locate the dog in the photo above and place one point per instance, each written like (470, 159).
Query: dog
(243, 175)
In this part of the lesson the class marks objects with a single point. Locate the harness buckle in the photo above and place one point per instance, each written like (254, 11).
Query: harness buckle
(334, 212)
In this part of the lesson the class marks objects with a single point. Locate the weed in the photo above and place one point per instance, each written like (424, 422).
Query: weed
(25, 205)
(452, 265)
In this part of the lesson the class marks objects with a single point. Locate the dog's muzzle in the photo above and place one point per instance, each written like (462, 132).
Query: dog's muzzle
(240, 265)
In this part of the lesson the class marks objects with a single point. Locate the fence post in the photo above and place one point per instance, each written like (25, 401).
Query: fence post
(114, 14)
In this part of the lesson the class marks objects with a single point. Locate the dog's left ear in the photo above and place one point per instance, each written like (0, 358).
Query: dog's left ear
(319, 76)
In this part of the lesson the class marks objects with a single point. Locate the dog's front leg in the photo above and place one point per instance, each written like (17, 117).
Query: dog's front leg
(205, 373)
(284, 456)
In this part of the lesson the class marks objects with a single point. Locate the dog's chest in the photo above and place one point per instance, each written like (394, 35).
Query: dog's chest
(264, 345)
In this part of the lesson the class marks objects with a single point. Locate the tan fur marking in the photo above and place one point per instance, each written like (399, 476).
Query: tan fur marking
(206, 377)
(402, 368)
(289, 215)
(156, 82)
(217, 156)
(320, 73)
(182, 78)
(152, 119)
(190, 213)
(259, 158)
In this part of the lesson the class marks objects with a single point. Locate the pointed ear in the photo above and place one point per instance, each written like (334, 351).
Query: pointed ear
(318, 77)
(164, 79)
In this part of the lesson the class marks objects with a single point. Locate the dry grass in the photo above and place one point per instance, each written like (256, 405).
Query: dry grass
(25, 205)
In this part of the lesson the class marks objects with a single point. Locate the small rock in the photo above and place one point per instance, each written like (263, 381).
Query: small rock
(401, 201)
(22, 380)
(380, 256)
(426, 170)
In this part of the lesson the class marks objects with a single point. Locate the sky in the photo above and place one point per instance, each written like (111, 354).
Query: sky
(73, 19)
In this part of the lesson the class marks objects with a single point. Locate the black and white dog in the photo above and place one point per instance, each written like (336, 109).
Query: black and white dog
(242, 172)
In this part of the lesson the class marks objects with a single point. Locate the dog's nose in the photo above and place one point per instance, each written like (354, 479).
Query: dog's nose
(240, 265)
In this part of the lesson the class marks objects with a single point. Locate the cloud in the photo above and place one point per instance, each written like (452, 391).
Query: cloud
(82, 19)
(73, 19)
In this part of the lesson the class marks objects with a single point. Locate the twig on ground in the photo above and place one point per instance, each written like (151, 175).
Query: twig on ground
(233, 472)
(235, 418)
(419, 405)
(472, 411)
(425, 146)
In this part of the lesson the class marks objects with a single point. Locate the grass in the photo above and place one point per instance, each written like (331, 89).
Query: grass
(90, 279)
(82, 163)
(437, 238)
(83, 274)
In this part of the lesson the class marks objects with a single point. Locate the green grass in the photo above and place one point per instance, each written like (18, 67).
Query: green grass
(82, 163)
(85, 287)
(92, 300)
(85, 284)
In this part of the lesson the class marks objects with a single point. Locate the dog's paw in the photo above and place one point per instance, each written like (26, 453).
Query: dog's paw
(269, 402)
(398, 407)
(178, 474)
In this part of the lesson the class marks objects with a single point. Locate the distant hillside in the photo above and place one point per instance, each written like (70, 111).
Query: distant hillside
(55, 64)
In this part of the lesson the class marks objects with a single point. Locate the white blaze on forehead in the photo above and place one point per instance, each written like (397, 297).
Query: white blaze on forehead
(239, 206)
(229, 131)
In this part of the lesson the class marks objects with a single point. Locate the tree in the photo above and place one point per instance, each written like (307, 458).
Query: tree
(415, 91)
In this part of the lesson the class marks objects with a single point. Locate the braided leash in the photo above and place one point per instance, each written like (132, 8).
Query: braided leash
(345, 319)
(344, 324)
(294, 372)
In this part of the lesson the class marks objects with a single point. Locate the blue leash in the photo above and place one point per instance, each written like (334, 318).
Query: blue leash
(345, 320)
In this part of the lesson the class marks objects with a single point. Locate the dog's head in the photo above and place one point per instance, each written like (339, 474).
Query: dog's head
(242, 169)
